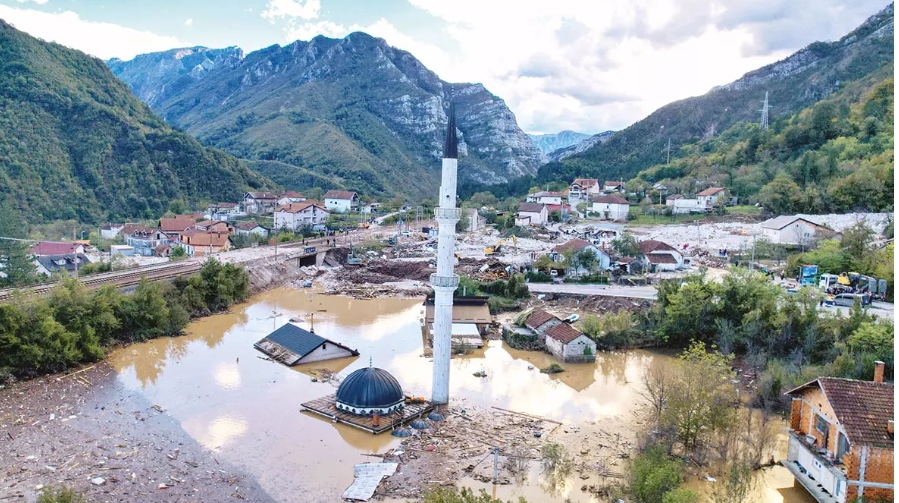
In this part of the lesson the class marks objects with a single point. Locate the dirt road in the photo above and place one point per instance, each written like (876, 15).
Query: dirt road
(636, 292)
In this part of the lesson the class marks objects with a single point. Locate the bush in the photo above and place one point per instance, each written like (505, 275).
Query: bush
(464, 495)
(59, 495)
(501, 304)
(654, 474)
(555, 368)
(538, 277)
(595, 278)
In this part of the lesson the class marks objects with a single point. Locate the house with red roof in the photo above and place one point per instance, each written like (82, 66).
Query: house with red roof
(295, 216)
(613, 186)
(611, 207)
(576, 246)
(48, 248)
(570, 344)
(583, 190)
(659, 256)
(841, 440)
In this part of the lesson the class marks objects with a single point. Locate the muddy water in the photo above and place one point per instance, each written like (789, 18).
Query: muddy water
(245, 409)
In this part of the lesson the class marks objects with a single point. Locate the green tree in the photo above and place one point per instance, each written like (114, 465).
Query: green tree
(178, 253)
(145, 313)
(653, 474)
(781, 196)
(626, 245)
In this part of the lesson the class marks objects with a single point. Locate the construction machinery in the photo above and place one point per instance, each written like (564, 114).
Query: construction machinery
(495, 248)
(352, 259)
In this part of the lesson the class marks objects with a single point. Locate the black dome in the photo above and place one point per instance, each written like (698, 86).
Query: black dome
(369, 387)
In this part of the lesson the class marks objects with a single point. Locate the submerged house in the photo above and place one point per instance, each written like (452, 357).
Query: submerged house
(292, 345)
(841, 438)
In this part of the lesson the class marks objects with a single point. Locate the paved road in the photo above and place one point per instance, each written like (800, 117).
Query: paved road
(635, 292)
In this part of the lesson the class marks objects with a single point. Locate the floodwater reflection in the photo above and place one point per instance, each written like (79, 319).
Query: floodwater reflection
(246, 408)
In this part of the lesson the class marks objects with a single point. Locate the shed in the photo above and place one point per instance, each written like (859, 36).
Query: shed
(570, 344)
(472, 309)
(292, 345)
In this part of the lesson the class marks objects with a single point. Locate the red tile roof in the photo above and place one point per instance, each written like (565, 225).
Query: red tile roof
(54, 248)
(248, 226)
(651, 245)
(612, 199)
(176, 224)
(564, 333)
(537, 317)
(862, 407)
(660, 258)
(339, 194)
(262, 195)
(298, 207)
(585, 182)
(711, 191)
(573, 245)
(226, 205)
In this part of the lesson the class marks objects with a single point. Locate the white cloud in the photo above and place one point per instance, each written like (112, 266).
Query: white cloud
(103, 40)
(189, 22)
(303, 9)
(39, 2)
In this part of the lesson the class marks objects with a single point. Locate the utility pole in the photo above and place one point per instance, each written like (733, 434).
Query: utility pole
(668, 160)
(764, 110)
(495, 465)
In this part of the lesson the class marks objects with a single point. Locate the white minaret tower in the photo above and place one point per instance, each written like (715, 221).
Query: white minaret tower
(444, 281)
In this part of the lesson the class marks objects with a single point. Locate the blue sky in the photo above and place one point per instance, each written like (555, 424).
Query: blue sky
(586, 65)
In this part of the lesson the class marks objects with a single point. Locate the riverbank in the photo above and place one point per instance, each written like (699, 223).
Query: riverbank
(85, 431)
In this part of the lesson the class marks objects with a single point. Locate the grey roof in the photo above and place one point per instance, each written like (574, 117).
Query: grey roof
(370, 387)
(54, 263)
(290, 343)
(531, 207)
(783, 221)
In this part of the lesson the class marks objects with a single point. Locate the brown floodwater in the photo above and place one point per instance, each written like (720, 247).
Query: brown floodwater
(245, 409)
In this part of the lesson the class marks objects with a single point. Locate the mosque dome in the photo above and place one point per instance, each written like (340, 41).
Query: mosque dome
(369, 391)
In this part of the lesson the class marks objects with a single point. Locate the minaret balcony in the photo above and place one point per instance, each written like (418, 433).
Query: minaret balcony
(448, 213)
(438, 281)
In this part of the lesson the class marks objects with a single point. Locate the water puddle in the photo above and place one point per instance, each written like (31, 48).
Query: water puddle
(245, 409)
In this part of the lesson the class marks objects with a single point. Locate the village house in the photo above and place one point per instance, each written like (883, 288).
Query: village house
(569, 344)
(793, 230)
(173, 227)
(50, 248)
(293, 345)
(611, 207)
(214, 226)
(682, 205)
(341, 201)
(579, 246)
(545, 197)
(841, 439)
(48, 265)
(248, 228)
(658, 256)
(708, 198)
(295, 216)
(670, 200)
(145, 241)
(370, 208)
(583, 190)
(223, 211)
(613, 187)
(201, 243)
(290, 196)
(111, 231)
(532, 214)
(540, 321)
(466, 310)
(259, 203)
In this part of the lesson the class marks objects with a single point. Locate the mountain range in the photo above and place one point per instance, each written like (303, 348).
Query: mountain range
(351, 113)
(555, 141)
(75, 143)
(800, 80)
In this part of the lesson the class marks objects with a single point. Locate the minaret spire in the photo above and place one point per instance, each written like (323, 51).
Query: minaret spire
(445, 281)
(451, 145)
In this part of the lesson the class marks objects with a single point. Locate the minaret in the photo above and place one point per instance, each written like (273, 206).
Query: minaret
(444, 281)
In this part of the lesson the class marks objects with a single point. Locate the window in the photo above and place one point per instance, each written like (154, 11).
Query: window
(842, 447)
(821, 424)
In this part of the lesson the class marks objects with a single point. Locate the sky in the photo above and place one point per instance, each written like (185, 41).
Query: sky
(584, 65)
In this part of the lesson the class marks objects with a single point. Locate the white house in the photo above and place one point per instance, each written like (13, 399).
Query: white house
(611, 207)
(294, 216)
(791, 230)
(545, 197)
(613, 187)
(583, 190)
(661, 256)
(532, 214)
(569, 344)
(370, 208)
(341, 201)
(683, 206)
(223, 211)
(603, 261)
(111, 231)
(709, 197)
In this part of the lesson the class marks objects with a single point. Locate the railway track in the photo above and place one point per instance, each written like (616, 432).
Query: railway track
(128, 277)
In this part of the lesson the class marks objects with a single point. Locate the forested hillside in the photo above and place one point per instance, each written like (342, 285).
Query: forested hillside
(864, 56)
(76, 144)
(835, 156)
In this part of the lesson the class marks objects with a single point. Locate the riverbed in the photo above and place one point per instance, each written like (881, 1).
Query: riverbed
(245, 408)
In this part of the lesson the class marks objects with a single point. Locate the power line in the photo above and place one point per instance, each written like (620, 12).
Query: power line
(764, 110)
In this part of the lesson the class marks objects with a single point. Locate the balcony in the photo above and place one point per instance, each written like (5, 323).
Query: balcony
(448, 213)
(444, 281)
(818, 473)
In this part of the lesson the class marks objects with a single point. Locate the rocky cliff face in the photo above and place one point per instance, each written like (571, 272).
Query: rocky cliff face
(550, 142)
(356, 110)
(580, 146)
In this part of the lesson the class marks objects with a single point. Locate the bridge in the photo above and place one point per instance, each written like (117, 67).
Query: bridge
(309, 253)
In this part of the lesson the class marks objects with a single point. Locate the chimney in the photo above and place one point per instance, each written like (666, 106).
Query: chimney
(890, 426)
(878, 371)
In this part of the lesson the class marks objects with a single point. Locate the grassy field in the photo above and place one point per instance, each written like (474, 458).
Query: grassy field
(644, 219)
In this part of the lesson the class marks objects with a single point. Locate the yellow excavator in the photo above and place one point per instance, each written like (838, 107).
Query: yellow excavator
(494, 249)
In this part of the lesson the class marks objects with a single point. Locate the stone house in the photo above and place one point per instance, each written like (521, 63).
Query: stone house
(841, 439)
